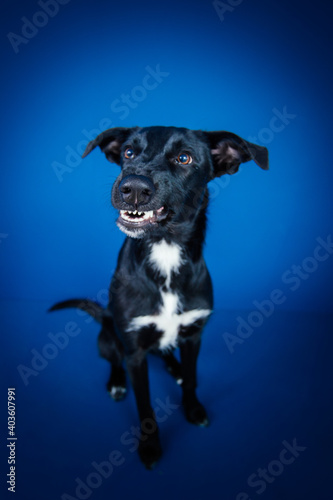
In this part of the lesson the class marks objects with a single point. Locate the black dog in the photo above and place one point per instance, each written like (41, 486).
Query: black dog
(161, 293)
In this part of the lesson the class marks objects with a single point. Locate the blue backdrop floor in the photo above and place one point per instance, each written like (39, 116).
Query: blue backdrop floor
(256, 68)
(269, 402)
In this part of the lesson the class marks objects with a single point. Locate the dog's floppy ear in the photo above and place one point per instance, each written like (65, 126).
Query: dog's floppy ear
(228, 151)
(110, 142)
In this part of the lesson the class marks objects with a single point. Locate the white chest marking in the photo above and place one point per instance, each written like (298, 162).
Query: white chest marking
(169, 319)
(166, 258)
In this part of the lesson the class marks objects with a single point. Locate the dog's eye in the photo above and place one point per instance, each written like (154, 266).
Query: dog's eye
(184, 159)
(129, 153)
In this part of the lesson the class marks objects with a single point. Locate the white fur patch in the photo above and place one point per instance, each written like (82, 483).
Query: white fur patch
(118, 391)
(169, 319)
(132, 233)
(166, 258)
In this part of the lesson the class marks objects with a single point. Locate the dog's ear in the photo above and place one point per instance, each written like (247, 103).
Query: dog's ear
(229, 151)
(110, 142)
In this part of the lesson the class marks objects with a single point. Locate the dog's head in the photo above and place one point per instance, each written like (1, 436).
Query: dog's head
(165, 171)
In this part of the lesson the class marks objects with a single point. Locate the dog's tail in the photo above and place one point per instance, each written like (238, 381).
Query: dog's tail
(86, 305)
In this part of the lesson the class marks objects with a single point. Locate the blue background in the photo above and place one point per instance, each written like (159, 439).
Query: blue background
(58, 239)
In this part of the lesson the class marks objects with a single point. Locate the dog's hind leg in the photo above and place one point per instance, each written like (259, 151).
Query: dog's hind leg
(111, 349)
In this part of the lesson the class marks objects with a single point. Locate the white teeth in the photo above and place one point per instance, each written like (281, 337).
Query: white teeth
(141, 216)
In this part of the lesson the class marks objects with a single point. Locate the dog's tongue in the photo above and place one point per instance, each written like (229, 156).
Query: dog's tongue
(160, 214)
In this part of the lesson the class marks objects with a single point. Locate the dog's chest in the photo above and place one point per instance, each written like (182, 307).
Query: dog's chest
(167, 259)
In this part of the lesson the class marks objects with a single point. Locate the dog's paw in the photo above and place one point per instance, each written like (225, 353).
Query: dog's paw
(196, 414)
(150, 452)
(175, 372)
(116, 385)
(117, 392)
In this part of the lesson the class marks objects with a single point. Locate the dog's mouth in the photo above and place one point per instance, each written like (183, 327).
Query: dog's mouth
(139, 219)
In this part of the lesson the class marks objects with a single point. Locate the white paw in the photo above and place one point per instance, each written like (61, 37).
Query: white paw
(118, 392)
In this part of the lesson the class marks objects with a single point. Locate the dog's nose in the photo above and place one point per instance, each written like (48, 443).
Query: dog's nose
(136, 190)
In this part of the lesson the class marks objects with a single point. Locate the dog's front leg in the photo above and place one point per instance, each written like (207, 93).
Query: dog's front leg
(194, 411)
(149, 447)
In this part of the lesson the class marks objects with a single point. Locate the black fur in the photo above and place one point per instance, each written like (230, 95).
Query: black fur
(164, 172)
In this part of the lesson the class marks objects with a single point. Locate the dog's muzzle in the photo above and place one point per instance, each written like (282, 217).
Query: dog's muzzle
(136, 190)
(137, 193)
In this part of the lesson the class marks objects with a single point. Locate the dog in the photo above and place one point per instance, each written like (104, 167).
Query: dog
(161, 293)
